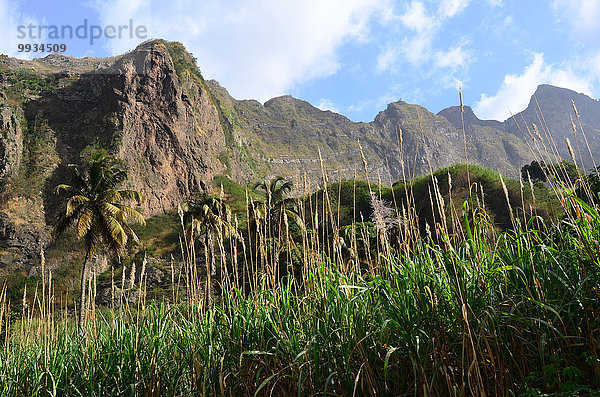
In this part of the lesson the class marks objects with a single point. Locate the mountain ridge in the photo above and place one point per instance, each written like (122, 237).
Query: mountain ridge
(176, 131)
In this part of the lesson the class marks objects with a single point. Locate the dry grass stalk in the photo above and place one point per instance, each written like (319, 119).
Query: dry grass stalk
(583, 134)
(512, 218)
(462, 118)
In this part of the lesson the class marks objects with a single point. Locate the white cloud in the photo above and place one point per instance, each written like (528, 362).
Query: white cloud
(387, 58)
(119, 12)
(4, 27)
(416, 47)
(496, 3)
(516, 90)
(592, 64)
(257, 49)
(10, 19)
(455, 57)
(454, 62)
(450, 8)
(581, 15)
(416, 18)
(326, 104)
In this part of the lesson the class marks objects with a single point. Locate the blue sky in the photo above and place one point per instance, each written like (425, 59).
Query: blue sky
(353, 56)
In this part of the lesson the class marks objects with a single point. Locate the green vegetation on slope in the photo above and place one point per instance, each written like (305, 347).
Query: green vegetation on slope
(501, 314)
(21, 83)
(186, 66)
(496, 304)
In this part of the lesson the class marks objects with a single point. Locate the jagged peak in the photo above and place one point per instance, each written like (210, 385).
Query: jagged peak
(453, 115)
(288, 100)
(215, 86)
(548, 95)
(551, 91)
(284, 99)
(395, 109)
(545, 88)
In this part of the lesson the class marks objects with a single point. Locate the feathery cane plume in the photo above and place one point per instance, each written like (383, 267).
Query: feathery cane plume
(507, 199)
(531, 186)
(132, 275)
(536, 131)
(571, 152)
(143, 272)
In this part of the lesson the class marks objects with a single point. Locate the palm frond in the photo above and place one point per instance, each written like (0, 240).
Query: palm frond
(74, 202)
(130, 232)
(296, 218)
(132, 195)
(64, 188)
(132, 215)
(117, 233)
(85, 222)
(63, 223)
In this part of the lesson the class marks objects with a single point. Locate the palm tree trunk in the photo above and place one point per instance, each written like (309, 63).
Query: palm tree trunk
(82, 306)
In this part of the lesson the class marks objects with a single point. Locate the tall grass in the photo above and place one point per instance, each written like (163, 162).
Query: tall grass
(386, 306)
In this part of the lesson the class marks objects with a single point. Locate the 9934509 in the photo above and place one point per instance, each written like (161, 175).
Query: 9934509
(42, 48)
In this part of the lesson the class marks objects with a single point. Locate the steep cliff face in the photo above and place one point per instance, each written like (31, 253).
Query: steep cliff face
(427, 141)
(168, 133)
(22, 224)
(150, 108)
(512, 142)
(11, 140)
(488, 142)
(551, 109)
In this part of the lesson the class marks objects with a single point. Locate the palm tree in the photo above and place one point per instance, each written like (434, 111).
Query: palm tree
(278, 204)
(276, 189)
(94, 207)
(272, 239)
(207, 215)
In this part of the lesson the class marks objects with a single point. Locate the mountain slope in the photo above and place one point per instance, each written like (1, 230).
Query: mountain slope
(488, 142)
(285, 134)
(551, 109)
(175, 131)
(143, 107)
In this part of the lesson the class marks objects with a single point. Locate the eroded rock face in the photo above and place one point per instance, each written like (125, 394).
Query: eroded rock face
(162, 125)
(429, 144)
(170, 134)
(22, 227)
(23, 233)
(11, 140)
(158, 119)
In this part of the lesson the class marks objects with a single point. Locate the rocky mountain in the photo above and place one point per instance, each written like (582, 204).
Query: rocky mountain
(175, 131)
(145, 107)
(551, 109)
(284, 136)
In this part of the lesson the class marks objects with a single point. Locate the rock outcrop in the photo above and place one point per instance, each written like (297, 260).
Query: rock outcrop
(150, 108)
(11, 140)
